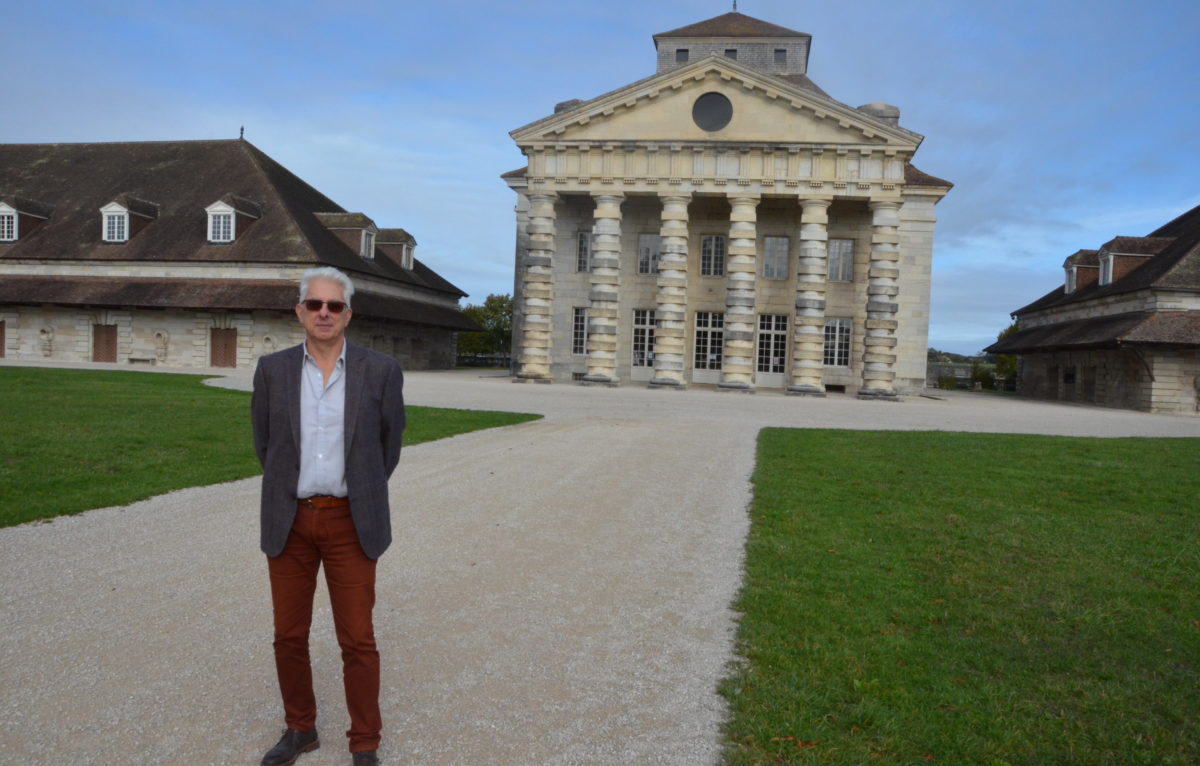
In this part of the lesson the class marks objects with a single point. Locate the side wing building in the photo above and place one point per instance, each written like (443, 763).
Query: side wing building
(724, 221)
(187, 254)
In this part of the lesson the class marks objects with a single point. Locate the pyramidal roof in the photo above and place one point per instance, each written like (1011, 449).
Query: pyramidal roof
(732, 24)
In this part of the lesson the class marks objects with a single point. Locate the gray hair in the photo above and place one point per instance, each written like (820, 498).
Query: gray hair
(330, 273)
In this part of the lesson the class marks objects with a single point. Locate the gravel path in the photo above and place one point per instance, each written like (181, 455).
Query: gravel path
(557, 593)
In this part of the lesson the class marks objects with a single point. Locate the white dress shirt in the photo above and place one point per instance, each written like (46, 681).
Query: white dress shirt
(322, 429)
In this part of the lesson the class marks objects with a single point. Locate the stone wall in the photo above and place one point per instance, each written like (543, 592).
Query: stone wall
(1150, 380)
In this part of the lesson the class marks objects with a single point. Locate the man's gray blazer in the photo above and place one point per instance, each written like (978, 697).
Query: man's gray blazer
(374, 424)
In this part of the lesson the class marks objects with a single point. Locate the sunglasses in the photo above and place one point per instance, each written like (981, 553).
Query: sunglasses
(314, 305)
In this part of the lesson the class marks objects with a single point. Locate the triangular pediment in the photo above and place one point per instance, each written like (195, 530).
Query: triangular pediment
(765, 109)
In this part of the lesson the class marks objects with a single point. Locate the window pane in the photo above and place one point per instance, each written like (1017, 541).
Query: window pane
(841, 260)
(712, 256)
(8, 227)
(648, 252)
(837, 342)
(579, 332)
(583, 251)
(775, 258)
(772, 342)
(643, 337)
(710, 337)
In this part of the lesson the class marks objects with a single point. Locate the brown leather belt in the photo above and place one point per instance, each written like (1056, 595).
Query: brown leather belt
(323, 502)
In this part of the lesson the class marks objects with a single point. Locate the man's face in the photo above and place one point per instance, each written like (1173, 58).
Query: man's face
(323, 324)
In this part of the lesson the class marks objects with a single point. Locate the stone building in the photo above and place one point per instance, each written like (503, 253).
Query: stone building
(187, 254)
(1123, 330)
(724, 221)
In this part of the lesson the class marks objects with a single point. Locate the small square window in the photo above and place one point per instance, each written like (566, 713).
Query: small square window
(681, 55)
(780, 56)
(731, 53)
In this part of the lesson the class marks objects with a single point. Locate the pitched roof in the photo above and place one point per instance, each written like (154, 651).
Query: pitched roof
(1176, 265)
(1161, 328)
(732, 24)
(182, 178)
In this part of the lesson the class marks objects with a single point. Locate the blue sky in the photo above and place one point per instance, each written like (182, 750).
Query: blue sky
(1061, 124)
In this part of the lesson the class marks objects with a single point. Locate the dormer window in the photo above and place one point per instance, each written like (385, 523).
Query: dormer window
(731, 53)
(1070, 285)
(8, 223)
(367, 247)
(406, 257)
(1106, 268)
(116, 224)
(229, 216)
(681, 55)
(124, 217)
(781, 55)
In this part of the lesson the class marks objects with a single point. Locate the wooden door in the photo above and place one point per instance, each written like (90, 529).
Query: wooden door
(224, 348)
(104, 343)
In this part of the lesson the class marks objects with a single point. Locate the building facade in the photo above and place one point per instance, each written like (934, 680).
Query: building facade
(1123, 330)
(724, 221)
(188, 253)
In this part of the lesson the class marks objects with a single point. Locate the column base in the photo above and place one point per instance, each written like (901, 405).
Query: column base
(595, 379)
(531, 379)
(666, 384)
(804, 389)
(878, 394)
(736, 386)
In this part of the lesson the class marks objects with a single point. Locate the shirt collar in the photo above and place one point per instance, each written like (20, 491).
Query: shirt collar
(341, 361)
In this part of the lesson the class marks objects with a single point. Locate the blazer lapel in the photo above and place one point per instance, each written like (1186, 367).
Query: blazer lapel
(292, 379)
(356, 364)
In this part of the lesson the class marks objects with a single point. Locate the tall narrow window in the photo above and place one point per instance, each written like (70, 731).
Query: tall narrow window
(775, 258)
(583, 251)
(220, 227)
(366, 246)
(1106, 269)
(710, 338)
(712, 256)
(579, 332)
(8, 227)
(841, 260)
(643, 337)
(772, 342)
(837, 341)
(116, 227)
(648, 246)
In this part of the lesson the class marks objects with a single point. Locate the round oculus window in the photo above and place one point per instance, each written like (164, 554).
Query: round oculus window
(712, 111)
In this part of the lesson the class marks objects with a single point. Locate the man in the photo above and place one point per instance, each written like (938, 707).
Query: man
(328, 417)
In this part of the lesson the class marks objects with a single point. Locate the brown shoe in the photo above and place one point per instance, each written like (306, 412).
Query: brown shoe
(290, 746)
(365, 758)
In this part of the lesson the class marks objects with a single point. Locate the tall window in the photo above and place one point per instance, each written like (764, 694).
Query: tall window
(8, 227)
(772, 342)
(841, 260)
(579, 332)
(775, 258)
(643, 337)
(366, 246)
(648, 247)
(583, 251)
(837, 341)
(220, 227)
(1106, 270)
(116, 228)
(710, 337)
(712, 256)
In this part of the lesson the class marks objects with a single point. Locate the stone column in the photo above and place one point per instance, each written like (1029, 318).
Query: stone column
(737, 356)
(670, 310)
(808, 339)
(605, 278)
(537, 290)
(879, 356)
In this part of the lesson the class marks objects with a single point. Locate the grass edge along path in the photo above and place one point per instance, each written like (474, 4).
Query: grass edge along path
(981, 599)
(73, 440)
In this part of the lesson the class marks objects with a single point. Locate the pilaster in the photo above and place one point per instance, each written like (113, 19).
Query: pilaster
(737, 355)
(537, 290)
(879, 355)
(605, 282)
(670, 311)
(808, 341)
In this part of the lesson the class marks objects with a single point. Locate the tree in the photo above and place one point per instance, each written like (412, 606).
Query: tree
(1006, 364)
(495, 317)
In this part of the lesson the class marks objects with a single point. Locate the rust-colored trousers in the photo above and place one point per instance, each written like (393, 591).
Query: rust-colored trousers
(326, 536)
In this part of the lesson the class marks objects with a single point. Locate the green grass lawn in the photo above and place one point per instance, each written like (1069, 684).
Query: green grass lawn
(71, 440)
(969, 599)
